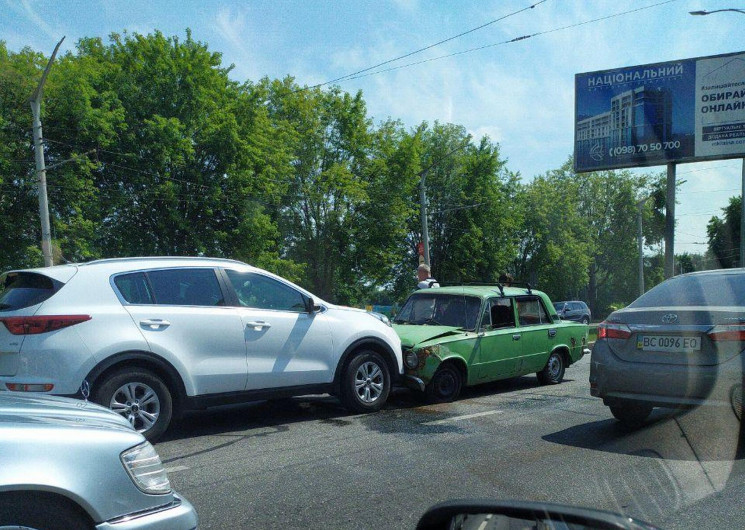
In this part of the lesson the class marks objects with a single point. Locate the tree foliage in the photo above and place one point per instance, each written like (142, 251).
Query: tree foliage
(724, 235)
(154, 149)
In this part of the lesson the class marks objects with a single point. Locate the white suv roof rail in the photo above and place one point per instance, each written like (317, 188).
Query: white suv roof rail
(158, 258)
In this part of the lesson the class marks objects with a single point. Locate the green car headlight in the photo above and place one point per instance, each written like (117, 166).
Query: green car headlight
(146, 470)
(411, 359)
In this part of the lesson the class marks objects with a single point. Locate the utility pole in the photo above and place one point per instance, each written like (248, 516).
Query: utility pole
(41, 172)
(670, 222)
(640, 242)
(423, 197)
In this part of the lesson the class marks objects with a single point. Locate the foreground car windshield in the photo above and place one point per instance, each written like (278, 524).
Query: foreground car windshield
(440, 310)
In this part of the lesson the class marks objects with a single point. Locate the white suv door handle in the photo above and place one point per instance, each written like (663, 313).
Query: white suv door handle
(257, 325)
(155, 324)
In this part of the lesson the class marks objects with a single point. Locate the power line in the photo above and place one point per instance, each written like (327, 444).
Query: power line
(344, 77)
(516, 39)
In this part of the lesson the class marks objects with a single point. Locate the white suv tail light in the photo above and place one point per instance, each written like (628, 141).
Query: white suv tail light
(41, 323)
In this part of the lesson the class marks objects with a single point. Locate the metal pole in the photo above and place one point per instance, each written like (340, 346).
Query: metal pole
(41, 175)
(423, 211)
(640, 241)
(670, 223)
(423, 197)
(41, 172)
(742, 216)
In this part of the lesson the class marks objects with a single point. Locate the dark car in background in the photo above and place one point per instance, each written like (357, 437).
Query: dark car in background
(574, 310)
(678, 345)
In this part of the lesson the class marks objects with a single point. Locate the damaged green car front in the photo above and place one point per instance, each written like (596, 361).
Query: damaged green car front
(462, 336)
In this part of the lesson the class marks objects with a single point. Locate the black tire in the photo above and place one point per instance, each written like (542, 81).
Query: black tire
(140, 396)
(40, 511)
(553, 372)
(585, 320)
(445, 385)
(365, 382)
(631, 415)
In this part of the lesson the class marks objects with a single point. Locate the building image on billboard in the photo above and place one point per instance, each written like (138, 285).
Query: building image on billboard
(642, 115)
(655, 114)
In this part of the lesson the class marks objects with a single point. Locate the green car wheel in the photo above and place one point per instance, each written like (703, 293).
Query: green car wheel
(445, 386)
(553, 372)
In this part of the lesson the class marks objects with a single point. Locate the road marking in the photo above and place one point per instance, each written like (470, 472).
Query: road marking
(174, 469)
(464, 417)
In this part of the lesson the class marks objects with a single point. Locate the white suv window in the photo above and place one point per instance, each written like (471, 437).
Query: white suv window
(197, 287)
(260, 292)
(189, 287)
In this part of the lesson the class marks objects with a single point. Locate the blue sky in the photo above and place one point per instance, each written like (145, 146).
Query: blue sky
(520, 94)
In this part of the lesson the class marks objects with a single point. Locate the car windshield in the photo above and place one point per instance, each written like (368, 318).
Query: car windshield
(440, 310)
(558, 306)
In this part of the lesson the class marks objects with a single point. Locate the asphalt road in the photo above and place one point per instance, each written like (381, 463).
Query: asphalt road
(307, 463)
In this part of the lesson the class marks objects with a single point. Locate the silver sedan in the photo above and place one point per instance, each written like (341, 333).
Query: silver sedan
(70, 464)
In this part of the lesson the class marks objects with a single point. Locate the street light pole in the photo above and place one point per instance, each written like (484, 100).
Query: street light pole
(41, 172)
(741, 261)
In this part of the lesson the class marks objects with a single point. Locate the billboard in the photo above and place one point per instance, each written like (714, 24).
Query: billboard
(655, 114)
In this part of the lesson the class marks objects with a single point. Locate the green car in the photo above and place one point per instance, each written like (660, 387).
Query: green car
(467, 335)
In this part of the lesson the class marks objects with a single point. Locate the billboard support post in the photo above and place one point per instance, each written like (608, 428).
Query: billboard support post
(670, 223)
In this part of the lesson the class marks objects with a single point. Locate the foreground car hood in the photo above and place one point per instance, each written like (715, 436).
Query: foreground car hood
(17, 406)
(411, 334)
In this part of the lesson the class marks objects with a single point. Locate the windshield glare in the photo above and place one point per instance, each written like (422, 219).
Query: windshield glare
(699, 290)
(441, 310)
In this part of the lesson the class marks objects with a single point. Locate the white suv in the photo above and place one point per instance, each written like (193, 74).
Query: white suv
(151, 337)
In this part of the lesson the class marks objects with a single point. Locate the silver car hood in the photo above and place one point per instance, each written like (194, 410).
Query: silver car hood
(17, 407)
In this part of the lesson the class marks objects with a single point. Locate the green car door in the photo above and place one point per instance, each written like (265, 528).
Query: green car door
(537, 333)
(498, 348)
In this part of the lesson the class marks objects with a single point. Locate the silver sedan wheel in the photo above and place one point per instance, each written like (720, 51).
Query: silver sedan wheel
(138, 403)
(368, 382)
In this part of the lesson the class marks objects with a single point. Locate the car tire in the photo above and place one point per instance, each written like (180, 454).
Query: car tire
(585, 320)
(365, 382)
(140, 396)
(445, 385)
(40, 511)
(631, 415)
(553, 372)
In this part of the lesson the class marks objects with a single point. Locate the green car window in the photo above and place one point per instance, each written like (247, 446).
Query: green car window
(531, 312)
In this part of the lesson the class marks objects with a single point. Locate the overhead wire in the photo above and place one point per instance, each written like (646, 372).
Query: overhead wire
(515, 39)
(420, 50)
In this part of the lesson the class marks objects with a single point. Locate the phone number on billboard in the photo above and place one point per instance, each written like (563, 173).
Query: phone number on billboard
(643, 148)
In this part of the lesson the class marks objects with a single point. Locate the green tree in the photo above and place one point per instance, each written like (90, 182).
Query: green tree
(19, 207)
(724, 235)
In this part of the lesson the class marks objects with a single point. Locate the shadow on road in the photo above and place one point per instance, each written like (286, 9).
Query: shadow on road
(274, 416)
(705, 434)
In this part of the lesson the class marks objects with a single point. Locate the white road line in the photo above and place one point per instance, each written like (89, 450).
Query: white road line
(174, 469)
(464, 417)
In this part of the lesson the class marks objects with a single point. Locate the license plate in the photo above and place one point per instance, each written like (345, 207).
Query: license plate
(668, 343)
